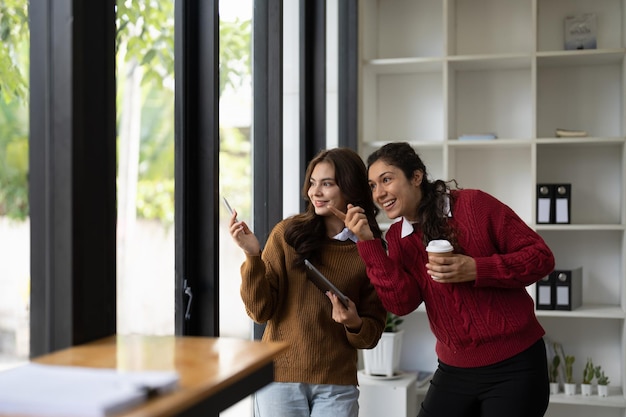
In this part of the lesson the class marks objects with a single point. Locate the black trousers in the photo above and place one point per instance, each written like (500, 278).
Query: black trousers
(516, 387)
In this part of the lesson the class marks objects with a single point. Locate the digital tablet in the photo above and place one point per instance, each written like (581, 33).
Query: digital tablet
(321, 282)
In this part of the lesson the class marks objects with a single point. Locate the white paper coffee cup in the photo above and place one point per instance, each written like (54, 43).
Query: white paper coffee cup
(440, 248)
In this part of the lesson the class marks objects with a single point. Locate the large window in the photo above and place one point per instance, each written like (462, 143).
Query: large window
(75, 169)
(146, 163)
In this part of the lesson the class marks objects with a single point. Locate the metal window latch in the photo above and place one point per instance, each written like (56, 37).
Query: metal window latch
(188, 292)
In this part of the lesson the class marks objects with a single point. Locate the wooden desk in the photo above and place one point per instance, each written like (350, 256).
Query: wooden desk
(215, 373)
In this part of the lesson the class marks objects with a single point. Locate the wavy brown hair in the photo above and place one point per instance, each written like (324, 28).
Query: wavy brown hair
(431, 215)
(306, 233)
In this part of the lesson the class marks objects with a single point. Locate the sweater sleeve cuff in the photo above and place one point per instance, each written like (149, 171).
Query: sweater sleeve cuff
(371, 251)
(251, 257)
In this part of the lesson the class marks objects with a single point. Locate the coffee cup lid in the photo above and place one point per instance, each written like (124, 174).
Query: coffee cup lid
(439, 246)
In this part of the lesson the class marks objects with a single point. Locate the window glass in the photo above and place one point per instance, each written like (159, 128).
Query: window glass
(235, 164)
(145, 174)
(235, 154)
(14, 210)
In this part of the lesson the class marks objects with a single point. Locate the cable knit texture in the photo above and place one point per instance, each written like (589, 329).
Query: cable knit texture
(476, 323)
(320, 351)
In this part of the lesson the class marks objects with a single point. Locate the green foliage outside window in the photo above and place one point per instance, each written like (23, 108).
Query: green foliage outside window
(13, 160)
(147, 28)
(15, 37)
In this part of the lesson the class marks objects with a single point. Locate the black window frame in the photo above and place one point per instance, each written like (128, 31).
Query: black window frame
(72, 173)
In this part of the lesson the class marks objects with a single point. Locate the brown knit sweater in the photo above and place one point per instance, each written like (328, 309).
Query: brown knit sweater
(320, 351)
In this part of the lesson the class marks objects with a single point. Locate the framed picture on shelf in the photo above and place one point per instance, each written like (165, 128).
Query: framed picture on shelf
(581, 31)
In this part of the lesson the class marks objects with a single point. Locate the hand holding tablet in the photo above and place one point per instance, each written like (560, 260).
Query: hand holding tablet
(321, 282)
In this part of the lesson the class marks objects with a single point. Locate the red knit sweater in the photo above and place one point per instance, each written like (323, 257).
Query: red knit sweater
(476, 323)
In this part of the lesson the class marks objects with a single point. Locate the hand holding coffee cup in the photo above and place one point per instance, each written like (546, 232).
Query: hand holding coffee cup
(439, 247)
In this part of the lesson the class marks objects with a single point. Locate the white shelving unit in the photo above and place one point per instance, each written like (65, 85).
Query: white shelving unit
(432, 70)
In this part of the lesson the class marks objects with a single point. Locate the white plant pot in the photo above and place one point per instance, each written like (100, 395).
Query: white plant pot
(554, 387)
(603, 390)
(570, 389)
(585, 389)
(384, 358)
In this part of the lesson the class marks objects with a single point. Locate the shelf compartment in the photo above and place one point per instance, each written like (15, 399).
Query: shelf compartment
(585, 98)
(599, 253)
(489, 27)
(482, 167)
(588, 337)
(551, 22)
(496, 101)
(596, 174)
(403, 107)
(402, 28)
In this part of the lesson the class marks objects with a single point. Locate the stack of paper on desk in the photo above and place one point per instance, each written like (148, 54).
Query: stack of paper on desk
(48, 390)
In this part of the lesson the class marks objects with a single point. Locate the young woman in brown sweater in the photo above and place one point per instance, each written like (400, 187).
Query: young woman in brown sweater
(317, 375)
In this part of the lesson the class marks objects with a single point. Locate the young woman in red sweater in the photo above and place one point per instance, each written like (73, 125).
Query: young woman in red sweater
(492, 359)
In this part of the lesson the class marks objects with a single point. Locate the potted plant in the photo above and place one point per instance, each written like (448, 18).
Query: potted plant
(554, 374)
(589, 373)
(392, 323)
(569, 386)
(384, 358)
(603, 382)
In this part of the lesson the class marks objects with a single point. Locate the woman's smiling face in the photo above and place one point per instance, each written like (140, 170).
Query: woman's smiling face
(324, 191)
(393, 191)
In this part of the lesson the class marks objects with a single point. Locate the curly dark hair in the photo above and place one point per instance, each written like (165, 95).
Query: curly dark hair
(306, 233)
(431, 211)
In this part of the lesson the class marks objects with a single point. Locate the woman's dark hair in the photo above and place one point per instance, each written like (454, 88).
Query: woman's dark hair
(431, 212)
(306, 233)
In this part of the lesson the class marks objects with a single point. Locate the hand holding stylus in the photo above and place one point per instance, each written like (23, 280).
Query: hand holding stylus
(241, 233)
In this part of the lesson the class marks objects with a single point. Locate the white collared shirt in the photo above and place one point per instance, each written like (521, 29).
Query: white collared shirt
(407, 225)
(346, 234)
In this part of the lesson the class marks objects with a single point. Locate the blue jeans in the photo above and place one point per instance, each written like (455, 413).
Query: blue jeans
(281, 399)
